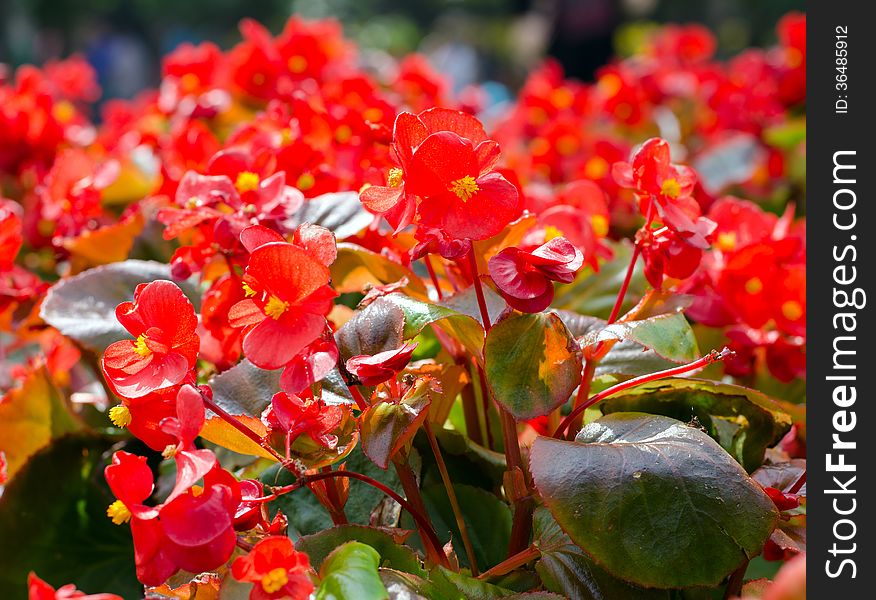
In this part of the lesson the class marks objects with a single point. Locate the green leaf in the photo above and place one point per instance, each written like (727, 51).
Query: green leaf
(371, 330)
(307, 516)
(486, 517)
(350, 571)
(462, 586)
(533, 364)
(386, 426)
(565, 569)
(392, 553)
(404, 586)
(744, 421)
(653, 501)
(594, 293)
(245, 389)
(339, 212)
(84, 307)
(669, 336)
(53, 522)
(355, 268)
(418, 315)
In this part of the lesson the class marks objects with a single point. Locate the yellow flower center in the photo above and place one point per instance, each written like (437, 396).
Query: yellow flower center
(596, 168)
(275, 307)
(394, 178)
(305, 182)
(189, 82)
(248, 292)
(275, 580)
(726, 241)
(343, 134)
(754, 286)
(670, 188)
(140, 346)
(169, 451)
(465, 188)
(551, 232)
(64, 111)
(297, 64)
(246, 181)
(792, 310)
(120, 416)
(118, 512)
(599, 224)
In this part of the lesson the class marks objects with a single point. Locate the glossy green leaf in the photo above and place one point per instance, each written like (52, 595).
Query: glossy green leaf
(83, 307)
(355, 268)
(462, 586)
(566, 569)
(371, 330)
(669, 336)
(652, 500)
(350, 571)
(386, 426)
(53, 522)
(532, 363)
(744, 421)
(486, 517)
(392, 553)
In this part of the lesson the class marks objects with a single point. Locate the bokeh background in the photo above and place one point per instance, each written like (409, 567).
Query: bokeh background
(469, 40)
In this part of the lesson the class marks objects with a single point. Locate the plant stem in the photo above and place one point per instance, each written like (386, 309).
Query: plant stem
(709, 358)
(512, 562)
(584, 390)
(339, 517)
(451, 495)
(521, 525)
(619, 301)
(234, 422)
(734, 584)
(428, 260)
(361, 404)
(798, 484)
(412, 490)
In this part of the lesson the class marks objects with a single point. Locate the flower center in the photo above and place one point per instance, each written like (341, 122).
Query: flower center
(275, 307)
(394, 178)
(248, 292)
(670, 188)
(118, 512)
(599, 223)
(246, 181)
(792, 310)
(169, 451)
(140, 346)
(297, 64)
(551, 232)
(754, 286)
(120, 416)
(726, 240)
(275, 580)
(465, 188)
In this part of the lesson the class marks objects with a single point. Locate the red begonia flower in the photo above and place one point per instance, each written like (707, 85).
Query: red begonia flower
(291, 416)
(11, 237)
(37, 589)
(525, 278)
(191, 464)
(372, 370)
(249, 514)
(668, 253)
(312, 364)
(276, 569)
(166, 346)
(288, 298)
(143, 416)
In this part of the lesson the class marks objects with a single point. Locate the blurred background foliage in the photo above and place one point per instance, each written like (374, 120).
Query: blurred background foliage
(483, 40)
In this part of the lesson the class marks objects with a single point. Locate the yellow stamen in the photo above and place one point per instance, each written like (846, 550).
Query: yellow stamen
(64, 111)
(343, 134)
(275, 307)
(297, 64)
(670, 188)
(248, 292)
(247, 181)
(551, 232)
(120, 416)
(792, 310)
(193, 203)
(596, 168)
(169, 451)
(118, 512)
(140, 346)
(189, 82)
(599, 224)
(305, 182)
(197, 490)
(726, 241)
(754, 286)
(275, 580)
(395, 176)
(465, 188)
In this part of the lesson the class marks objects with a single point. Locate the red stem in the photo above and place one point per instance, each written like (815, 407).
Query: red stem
(231, 420)
(615, 311)
(709, 358)
(357, 396)
(798, 484)
(428, 260)
(512, 562)
(479, 290)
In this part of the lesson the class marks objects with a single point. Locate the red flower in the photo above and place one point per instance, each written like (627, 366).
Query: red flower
(37, 589)
(448, 163)
(525, 278)
(163, 321)
(666, 252)
(191, 464)
(291, 416)
(276, 569)
(372, 370)
(10, 233)
(143, 416)
(669, 186)
(193, 532)
(288, 297)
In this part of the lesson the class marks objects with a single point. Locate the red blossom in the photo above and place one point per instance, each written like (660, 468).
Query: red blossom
(291, 416)
(275, 569)
(37, 589)
(163, 322)
(525, 279)
(373, 370)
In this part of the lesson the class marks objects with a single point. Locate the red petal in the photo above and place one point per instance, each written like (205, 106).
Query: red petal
(161, 373)
(512, 279)
(459, 122)
(287, 271)
(258, 235)
(191, 466)
(129, 478)
(379, 199)
(440, 160)
(271, 344)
